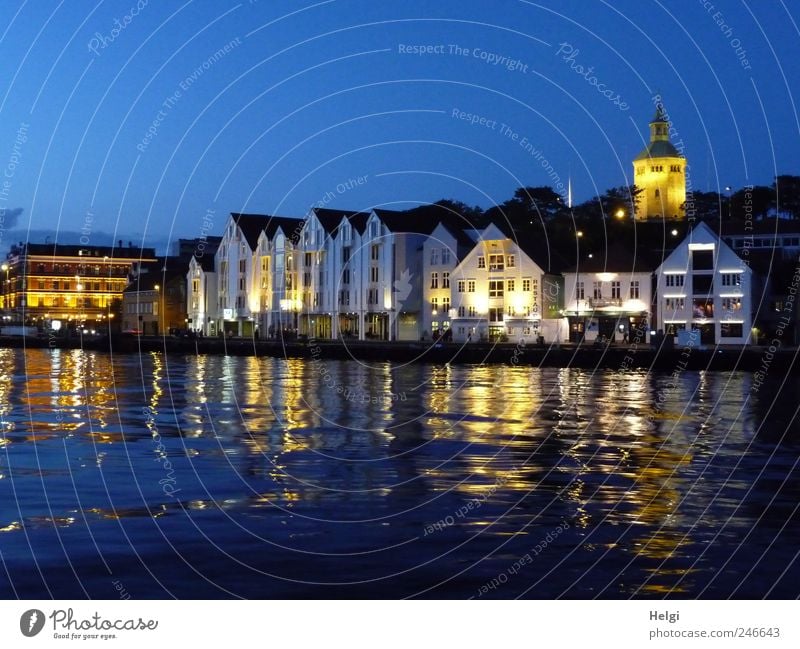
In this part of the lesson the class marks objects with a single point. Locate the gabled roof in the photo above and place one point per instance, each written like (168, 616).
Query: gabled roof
(252, 225)
(462, 235)
(290, 226)
(536, 247)
(205, 261)
(421, 220)
(332, 219)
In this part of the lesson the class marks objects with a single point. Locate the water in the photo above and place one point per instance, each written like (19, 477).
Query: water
(173, 476)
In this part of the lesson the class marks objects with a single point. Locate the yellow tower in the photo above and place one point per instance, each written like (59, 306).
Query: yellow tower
(660, 172)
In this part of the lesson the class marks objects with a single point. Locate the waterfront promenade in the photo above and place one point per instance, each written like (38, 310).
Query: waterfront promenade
(614, 356)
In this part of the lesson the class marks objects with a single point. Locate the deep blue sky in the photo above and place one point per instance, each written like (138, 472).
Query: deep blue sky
(313, 94)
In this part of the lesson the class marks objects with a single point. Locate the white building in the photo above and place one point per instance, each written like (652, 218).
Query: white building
(201, 294)
(244, 272)
(609, 297)
(703, 285)
(498, 292)
(326, 272)
(390, 260)
(442, 251)
(278, 298)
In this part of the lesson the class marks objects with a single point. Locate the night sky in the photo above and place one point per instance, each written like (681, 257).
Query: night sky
(134, 121)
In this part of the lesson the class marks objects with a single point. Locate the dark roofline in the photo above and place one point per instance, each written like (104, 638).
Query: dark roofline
(96, 252)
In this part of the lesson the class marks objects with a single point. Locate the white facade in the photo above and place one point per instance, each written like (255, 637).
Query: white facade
(390, 290)
(706, 287)
(201, 297)
(234, 264)
(279, 296)
(608, 305)
(496, 294)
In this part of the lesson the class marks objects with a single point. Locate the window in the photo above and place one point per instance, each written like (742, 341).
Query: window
(673, 280)
(306, 278)
(481, 261)
(635, 290)
(373, 274)
(657, 193)
(496, 288)
(511, 261)
(346, 276)
(445, 280)
(242, 266)
(579, 291)
(434, 280)
(702, 284)
(510, 285)
(703, 308)
(495, 315)
(526, 285)
(434, 256)
(732, 303)
(445, 255)
(445, 305)
(702, 259)
(461, 285)
(730, 330)
(307, 260)
(461, 312)
(434, 305)
(496, 262)
(616, 291)
(673, 303)
(345, 254)
(510, 310)
(471, 286)
(731, 279)
(597, 290)
(374, 251)
(473, 312)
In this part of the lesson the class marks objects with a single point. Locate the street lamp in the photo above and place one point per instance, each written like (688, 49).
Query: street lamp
(620, 214)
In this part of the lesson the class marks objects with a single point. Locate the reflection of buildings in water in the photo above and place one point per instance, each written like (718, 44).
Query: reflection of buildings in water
(627, 472)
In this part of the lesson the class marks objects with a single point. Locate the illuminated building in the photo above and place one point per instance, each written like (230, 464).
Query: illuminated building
(69, 283)
(660, 172)
(255, 267)
(608, 296)
(505, 288)
(705, 287)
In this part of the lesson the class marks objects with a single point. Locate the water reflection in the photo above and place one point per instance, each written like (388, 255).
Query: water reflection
(655, 478)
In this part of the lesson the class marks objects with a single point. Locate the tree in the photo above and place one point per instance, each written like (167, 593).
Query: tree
(752, 204)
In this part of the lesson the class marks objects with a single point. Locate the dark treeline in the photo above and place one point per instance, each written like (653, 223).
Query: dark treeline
(607, 219)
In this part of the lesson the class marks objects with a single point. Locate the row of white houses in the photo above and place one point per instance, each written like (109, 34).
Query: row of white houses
(390, 275)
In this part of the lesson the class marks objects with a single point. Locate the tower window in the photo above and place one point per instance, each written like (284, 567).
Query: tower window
(658, 193)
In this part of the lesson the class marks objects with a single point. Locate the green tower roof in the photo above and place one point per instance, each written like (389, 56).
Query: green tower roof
(658, 149)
